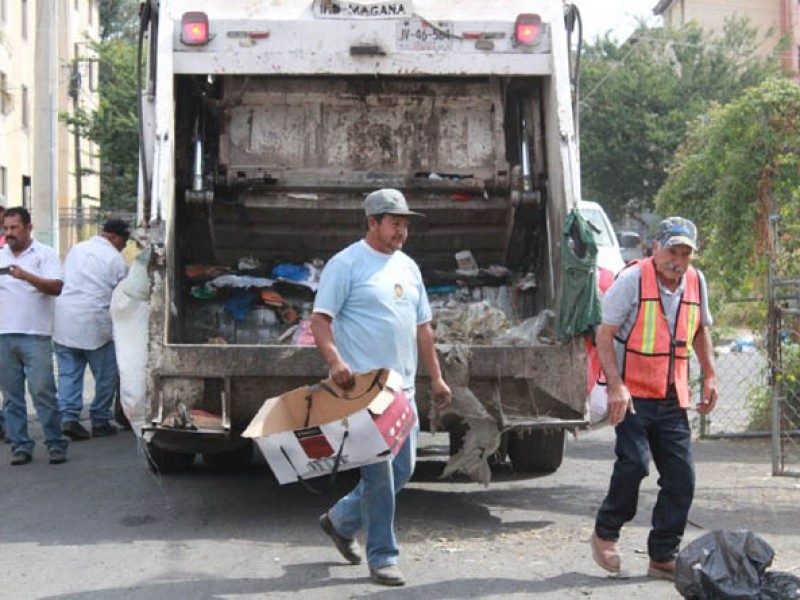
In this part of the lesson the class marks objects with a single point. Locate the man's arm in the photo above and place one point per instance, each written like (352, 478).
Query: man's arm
(323, 336)
(705, 354)
(50, 287)
(427, 353)
(619, 397)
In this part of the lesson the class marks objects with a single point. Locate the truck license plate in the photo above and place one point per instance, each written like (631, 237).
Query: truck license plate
(418, 35)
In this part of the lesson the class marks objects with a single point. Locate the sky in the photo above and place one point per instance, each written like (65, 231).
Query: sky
(619, 16)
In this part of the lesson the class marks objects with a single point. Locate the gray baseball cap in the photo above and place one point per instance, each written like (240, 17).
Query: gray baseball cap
(388, 201)
(677, 231)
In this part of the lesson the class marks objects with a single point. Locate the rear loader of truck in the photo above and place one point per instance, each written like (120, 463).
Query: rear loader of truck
(265, 124)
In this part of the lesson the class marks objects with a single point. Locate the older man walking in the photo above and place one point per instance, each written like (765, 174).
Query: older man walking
(654, 314)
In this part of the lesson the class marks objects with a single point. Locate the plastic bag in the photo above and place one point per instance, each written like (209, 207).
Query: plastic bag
(728, 565)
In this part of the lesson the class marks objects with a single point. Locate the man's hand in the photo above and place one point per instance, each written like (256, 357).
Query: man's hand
(18, 273)
(710, 395)
(619, 403)
(343, 376)
(442, 396)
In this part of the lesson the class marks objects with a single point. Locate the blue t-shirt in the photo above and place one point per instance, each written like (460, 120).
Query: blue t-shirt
(376, 301)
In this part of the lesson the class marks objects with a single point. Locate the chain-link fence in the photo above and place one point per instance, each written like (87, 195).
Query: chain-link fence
(743, 379)
(759, 382)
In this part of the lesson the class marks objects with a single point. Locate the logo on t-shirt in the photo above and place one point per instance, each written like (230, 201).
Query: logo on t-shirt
(398, 291)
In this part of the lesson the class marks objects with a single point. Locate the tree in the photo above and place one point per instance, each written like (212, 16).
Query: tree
(638, 98)
(113, 125)
(118, 18)
(738, 166)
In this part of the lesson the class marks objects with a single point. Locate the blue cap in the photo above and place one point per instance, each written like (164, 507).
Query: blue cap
(677, 231)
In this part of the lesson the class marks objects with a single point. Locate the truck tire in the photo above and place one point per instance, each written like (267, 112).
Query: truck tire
(166, 461)
(536, 450)
(232, 460)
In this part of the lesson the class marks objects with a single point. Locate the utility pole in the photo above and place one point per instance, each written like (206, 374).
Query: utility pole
(74, 93)
(44, 203)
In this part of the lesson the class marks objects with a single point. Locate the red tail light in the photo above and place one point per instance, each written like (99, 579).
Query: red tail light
(194, 28)
(527, 29)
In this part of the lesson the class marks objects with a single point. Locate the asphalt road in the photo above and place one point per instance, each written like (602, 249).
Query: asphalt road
(102, 526)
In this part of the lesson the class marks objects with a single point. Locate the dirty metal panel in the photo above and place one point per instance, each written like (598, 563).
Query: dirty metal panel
(393, 126)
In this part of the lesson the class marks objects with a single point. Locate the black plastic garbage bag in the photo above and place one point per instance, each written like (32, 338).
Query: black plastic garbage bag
(730, 565)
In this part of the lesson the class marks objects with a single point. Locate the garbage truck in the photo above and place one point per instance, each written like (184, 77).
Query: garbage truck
(263, 126)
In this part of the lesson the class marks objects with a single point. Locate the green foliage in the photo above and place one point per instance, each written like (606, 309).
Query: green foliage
(113, 125)
(637, 99)
(118, 18)
(760, 397)
(738, 164)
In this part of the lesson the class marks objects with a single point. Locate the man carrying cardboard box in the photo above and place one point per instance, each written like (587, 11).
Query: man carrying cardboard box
(371, 311)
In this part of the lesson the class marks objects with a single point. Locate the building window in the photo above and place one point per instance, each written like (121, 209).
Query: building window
(3, 185)
(26, 191)
(77, 4)
(4, 104)
(90, 75)
(25, 115)
(24, 23)
(3, 15)
(90, 7)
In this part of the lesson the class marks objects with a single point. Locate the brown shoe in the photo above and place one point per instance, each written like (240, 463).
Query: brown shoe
(661, 570)
(387, 575)
(347, 547)
(605, 553)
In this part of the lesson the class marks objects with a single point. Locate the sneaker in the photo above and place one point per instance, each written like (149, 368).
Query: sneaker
(605, 553)
(103, 429)
(387, 575)
(74, 431)
(348, 548)
(661, 570)
(58, 457)
(20, 458)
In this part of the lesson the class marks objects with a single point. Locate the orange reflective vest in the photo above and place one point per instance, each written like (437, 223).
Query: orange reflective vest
(652, 351)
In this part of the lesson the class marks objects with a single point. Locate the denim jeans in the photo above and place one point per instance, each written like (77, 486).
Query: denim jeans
(29, 356)
(71, 368)
(662, 427)
(371, 504)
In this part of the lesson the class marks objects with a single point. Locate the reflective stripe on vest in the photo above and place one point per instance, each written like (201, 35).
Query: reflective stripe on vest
(650, 349)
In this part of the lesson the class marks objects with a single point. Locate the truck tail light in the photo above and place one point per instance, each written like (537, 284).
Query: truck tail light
(527, 29)
(194, 28)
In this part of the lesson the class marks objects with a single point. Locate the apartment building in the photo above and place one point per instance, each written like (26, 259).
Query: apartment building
(782, 17)
(46, 70)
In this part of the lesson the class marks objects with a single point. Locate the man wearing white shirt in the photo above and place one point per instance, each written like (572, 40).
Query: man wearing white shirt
(30, 280)
(83, 333)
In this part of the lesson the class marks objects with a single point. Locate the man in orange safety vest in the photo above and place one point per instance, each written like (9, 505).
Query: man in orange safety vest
(654, 316)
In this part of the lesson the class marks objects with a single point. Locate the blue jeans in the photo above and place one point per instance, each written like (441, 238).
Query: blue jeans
(662, 427)
(29, 357)
(71, 368)
(371, 504)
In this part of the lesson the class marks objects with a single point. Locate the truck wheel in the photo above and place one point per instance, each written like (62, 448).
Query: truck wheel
(233, 460)
(165, 461)
(536, 450)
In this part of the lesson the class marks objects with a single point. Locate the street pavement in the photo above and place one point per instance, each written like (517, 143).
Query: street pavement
(103, 526)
